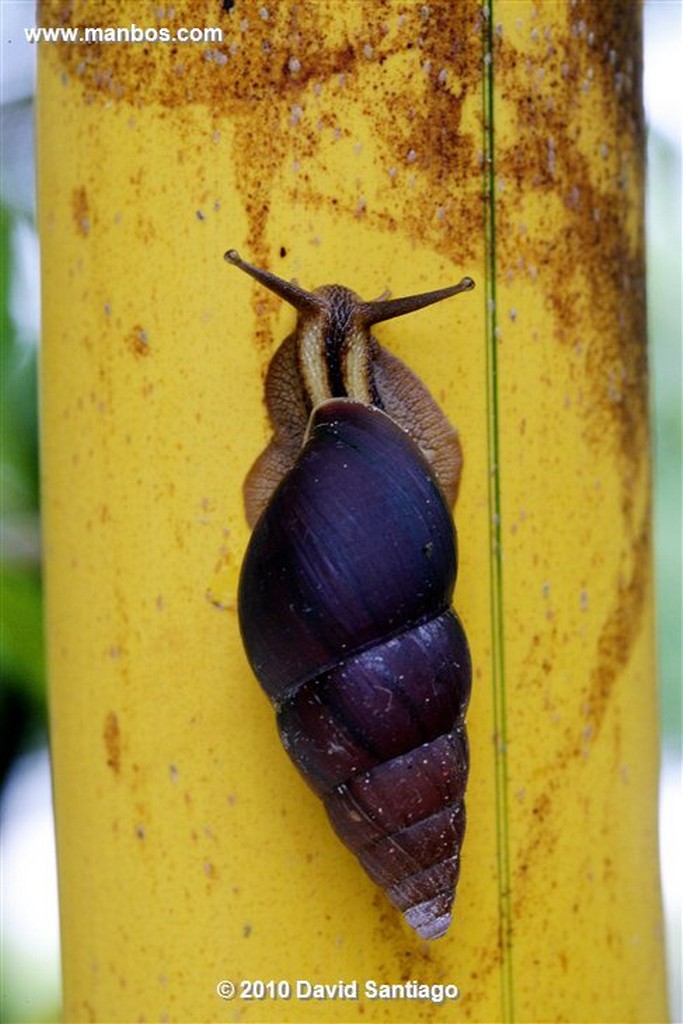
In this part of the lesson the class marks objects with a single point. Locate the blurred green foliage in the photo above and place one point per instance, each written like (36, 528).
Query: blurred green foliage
(22, 670)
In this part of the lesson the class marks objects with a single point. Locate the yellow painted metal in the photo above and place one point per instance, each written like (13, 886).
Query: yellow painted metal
(391, 145)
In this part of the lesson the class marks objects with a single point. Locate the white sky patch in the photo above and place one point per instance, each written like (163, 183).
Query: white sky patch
(663, 71)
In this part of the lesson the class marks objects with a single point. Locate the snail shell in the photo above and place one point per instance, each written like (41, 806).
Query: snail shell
(345, 612)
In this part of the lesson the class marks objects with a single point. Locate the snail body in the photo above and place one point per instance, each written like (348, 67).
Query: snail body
(346, 589)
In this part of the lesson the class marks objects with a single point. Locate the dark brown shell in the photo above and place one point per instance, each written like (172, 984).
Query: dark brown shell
(345, 611)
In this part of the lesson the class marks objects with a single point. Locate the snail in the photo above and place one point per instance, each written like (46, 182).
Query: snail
(346, 588)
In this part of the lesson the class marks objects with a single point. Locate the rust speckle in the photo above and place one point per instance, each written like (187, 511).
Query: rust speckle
(80, 209)
(542, 808)
(138, 342)
(88, 1011)
(619, 631)
(112, 741)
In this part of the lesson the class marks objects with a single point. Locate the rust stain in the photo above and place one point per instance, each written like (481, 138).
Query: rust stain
(81, 212)
(587, 251)
(620, 629)
(138, 342)
(618, 634)
(112, 741)
(599, 225)
(302, 71)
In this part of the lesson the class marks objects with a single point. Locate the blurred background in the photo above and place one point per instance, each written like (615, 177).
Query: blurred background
(29, 937)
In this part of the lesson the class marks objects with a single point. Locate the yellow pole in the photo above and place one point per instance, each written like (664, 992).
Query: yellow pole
(395, 145)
